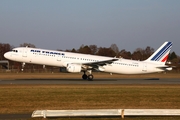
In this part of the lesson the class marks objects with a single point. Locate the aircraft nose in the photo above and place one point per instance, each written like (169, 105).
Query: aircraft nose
(7, 55)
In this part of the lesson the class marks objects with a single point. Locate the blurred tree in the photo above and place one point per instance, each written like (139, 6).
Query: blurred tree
(148, 52)
(84, 49)
(94, 49)
(73, 50)
(3, 49)
(125, 54)
(136, 55)
(27, 44)
(172, 56)
(175, 61)
(115, 48)
(106, 52)
(80, 50)
(142, 54)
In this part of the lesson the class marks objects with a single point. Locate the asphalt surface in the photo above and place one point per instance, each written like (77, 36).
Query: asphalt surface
(95, 81)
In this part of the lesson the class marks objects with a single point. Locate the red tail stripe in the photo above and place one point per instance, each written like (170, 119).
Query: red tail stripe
(164, 60)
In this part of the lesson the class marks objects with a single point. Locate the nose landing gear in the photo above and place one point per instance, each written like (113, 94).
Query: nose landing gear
(23, 64)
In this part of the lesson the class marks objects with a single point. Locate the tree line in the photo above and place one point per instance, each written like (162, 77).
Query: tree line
(112, 51)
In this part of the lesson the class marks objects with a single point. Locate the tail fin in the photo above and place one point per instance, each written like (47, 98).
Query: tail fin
(161, 54)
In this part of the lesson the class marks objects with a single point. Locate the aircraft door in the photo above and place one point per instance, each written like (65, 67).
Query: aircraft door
(25, 52)
(59, 57)
(144, 67)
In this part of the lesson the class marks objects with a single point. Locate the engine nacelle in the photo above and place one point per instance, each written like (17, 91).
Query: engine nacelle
(100, 68)
(73, 68)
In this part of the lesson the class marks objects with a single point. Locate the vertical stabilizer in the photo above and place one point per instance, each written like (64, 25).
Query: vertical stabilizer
(161, 54)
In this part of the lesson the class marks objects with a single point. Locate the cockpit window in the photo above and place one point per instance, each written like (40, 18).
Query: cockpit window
(15, 50)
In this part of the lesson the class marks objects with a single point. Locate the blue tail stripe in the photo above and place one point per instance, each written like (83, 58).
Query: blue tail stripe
(169, 44)
(164, 53)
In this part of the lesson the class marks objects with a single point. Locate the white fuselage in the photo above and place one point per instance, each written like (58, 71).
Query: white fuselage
(62, 59)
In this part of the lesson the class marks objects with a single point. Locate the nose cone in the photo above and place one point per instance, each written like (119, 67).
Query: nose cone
(7, 55)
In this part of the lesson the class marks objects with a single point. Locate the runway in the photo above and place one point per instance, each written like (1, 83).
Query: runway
(95, 81)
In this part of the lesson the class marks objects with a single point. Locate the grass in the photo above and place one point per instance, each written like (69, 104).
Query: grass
(27, 98)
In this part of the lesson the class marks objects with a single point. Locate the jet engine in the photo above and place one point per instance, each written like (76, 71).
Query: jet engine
(100, 68)
(73, 68)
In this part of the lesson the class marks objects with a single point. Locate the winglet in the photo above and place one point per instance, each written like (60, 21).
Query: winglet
(161, 54)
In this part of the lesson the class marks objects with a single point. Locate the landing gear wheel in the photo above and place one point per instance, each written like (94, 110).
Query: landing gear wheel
(84, 77)
(23, 65)
(90, 77)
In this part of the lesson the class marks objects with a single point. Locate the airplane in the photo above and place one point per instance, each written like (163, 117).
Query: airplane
(76, 62)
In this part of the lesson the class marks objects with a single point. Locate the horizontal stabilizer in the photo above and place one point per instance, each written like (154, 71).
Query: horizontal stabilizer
(165, 68)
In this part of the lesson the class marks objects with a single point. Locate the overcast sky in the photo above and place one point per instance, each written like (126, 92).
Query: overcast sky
(67, 24)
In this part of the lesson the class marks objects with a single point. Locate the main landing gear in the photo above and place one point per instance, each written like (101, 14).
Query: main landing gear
(85, 76)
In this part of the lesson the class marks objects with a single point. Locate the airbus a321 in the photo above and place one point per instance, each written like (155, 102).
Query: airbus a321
(76, 62)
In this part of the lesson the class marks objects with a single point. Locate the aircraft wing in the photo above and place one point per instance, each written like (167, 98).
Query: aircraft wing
(100, 63)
